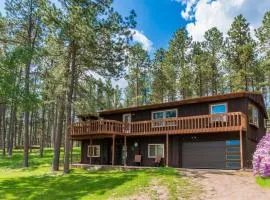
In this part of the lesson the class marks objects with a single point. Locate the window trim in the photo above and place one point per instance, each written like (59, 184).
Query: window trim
(92, 146)
(164, 116)
(252, 123)
(163, 152)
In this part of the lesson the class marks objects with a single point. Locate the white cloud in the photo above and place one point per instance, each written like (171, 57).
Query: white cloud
(221, 13)
(188, 12)
(142, 39)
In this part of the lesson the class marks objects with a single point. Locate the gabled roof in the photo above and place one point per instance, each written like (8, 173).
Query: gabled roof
(256, 97)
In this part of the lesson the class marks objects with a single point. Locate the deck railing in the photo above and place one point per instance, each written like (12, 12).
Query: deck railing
(232, 121)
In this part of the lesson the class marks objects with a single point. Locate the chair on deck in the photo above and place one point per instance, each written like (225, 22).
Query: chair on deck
(138, 159)
(158, 161)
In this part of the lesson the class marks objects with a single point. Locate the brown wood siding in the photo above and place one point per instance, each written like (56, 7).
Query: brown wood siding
(253, 133)
(104, 158)
(234, 105)
(175, 147)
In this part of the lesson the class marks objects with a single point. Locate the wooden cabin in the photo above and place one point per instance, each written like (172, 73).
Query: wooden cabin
(219, 131)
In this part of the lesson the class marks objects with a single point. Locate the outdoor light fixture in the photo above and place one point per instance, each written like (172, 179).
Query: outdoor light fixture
(136, 144)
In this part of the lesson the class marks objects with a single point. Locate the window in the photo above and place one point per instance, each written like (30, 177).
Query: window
(159, 115)
(155, 150)
(253, 115)
(94, 151)
(218, 109)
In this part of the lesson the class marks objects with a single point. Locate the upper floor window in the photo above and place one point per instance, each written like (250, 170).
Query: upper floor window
(219, 108)
(253, 115)
(163, 114)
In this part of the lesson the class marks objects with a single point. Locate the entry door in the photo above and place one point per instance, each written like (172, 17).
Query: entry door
(127, 120)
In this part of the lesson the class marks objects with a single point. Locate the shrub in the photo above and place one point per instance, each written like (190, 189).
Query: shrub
(261, 157)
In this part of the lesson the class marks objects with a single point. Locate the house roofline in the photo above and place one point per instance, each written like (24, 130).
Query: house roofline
(188, 101)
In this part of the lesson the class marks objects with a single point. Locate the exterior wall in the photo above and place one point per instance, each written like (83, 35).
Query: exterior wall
(234, 105)
(104, 158)
(175, 148)
(253, 135)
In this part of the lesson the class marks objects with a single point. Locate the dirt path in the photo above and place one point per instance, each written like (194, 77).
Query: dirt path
(227, 185)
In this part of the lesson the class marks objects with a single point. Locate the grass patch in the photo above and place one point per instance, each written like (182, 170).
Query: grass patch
(38, 182)
(264, 182)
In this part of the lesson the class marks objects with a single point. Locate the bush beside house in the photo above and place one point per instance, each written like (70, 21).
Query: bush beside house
(261, 158)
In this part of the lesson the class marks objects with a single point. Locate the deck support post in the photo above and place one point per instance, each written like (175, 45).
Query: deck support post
(125, 151)
(90, 158)
(167, 150)
(113, 148)
(241, 149)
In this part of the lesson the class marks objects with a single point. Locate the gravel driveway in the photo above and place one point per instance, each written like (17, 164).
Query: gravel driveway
(227, 185)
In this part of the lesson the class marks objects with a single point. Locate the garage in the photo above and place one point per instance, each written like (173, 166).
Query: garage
(211, 154)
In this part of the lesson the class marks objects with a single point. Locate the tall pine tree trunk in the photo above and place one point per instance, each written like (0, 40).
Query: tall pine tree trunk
(58, 134)
(54, 130)
(42, 133)
(4, 130)
(11, 129)
(71, 71)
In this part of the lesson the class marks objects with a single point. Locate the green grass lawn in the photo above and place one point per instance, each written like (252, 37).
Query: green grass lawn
(264, 182)
(38, 182)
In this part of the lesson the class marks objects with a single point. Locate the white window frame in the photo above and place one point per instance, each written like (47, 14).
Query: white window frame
(126, 127)
(253, 121)
(127, 114)
(93, 146)
(164, 117)
(155, 150)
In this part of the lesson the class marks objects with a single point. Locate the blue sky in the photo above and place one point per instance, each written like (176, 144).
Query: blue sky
(157, 20)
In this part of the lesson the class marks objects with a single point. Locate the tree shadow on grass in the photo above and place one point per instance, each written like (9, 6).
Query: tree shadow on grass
(35, 161)
(72, 186)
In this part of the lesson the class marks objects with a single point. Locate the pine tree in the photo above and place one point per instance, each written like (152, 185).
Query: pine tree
(213, 46)
(240, 55)
(263, 35)
(177, 66)
(159, 80)
(139, 64)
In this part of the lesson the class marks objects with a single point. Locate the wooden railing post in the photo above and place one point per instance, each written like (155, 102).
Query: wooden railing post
(241, 148)
(113, 148)
(167, 150)
(125, 151)
(90, 156)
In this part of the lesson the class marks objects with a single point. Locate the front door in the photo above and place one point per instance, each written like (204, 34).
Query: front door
(127, 120)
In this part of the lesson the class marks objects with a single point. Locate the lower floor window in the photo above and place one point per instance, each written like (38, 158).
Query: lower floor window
(155, 150)
(94, 151)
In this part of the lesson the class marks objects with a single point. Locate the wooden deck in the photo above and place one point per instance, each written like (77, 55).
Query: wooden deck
(233, 121)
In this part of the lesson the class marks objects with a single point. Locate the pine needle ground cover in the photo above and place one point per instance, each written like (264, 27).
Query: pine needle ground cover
(38, 182)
